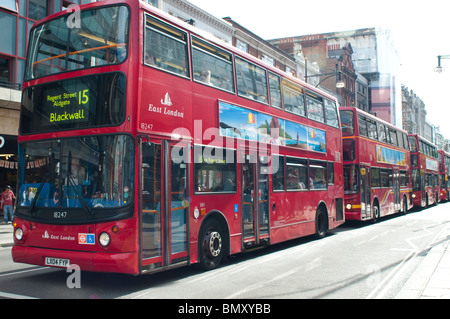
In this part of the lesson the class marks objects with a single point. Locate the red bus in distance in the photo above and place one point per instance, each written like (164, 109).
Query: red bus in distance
(444, 170)
(376, 166)
(145, 144)
(424, 171)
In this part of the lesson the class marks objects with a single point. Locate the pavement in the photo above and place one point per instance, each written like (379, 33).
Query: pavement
(431, 280)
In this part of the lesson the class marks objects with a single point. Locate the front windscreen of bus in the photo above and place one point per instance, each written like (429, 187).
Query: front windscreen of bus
(91, 174)
(82, 39)
(348, 126)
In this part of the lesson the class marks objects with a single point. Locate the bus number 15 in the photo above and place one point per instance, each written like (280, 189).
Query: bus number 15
(83, 97)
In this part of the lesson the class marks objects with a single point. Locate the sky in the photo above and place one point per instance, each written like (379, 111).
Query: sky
(420, 31)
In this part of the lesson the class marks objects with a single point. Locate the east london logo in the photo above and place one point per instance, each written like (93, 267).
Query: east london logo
(46, 235)
(167, 102)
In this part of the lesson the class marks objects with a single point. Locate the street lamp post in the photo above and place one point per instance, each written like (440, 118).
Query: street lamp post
(339, 84)
(439, 68)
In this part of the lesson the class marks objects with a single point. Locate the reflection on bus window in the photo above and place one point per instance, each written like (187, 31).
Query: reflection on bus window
(251, 81)
(101, 39)
(166, 47)
(275, 90)
(212, 66)
(314, 106)
(293, 98)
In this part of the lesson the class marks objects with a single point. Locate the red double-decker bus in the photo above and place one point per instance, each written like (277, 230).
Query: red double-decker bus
(145, 145)
(376, 166)
(424, 171)
(444, 170)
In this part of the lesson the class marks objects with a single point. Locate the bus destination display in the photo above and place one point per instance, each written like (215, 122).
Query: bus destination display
(68, 106)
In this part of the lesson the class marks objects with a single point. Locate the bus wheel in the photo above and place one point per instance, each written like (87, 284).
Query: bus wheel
(376, 214)
(405, 206)
(211, 245)
(321, 223)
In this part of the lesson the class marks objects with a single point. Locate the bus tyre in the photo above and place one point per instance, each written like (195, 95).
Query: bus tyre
(376, 214)
(211, 245)
(321, 223)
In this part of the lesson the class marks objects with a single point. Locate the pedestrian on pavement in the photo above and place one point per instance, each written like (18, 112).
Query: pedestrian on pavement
(7, 201)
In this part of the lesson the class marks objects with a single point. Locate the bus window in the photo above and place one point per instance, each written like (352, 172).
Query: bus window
(362, 125)
(251, 81)
(382, 133)
(214, 170)
(400, 140)
(293, 98)
(278, 176)
(317, 175)
(412, 143)
(386, 177)
(331, 113)
(348, 148)
(314, 106)
(166, 47)
(393, 136)
(296, 173)
(275, 90)
(102, 39)
(372, 129)
(375, 177)
(212, 65)
(351, 178)
(347, 122)
(330, 173)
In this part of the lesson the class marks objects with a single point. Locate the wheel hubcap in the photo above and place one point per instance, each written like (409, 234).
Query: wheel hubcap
(213, 243)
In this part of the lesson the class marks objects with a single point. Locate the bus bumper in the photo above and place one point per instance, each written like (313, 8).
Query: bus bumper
(352, 215)
(87, 261)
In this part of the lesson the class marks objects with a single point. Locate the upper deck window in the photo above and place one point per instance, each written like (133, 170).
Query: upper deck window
(314, 105)
(165, 47)
(98, 37)
(275, 90)
(294, 100)
(251, 81)
(331, 113)
(212, 65)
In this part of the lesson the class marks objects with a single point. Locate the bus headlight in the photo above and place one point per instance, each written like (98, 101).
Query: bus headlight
(348, 206)
(18, 233)
(104, 239)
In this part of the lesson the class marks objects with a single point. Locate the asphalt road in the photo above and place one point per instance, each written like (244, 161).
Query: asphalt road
(356, 261)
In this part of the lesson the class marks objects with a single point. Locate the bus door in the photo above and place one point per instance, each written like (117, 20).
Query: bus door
(397, 195)
(163, 204)
(255, 199)
(366, 210)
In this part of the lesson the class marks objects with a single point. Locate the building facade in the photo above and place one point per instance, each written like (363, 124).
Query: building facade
(373, 57)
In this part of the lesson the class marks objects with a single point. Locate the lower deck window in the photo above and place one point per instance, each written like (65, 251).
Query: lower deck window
(214, 170)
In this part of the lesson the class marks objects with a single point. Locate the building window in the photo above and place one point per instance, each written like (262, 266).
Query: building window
(242, 46)
(154, 3)
(268, 59)
(9, 4)
(37, 9)
(5, 71)
(8, 39)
